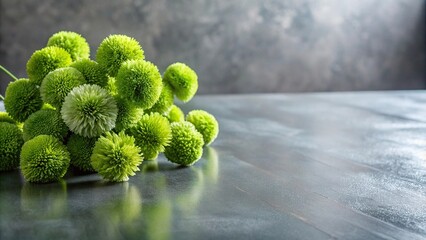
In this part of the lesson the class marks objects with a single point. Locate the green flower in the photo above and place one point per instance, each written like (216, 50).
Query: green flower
(10, 146)
(140, 82)
(22, 99)
(183, 79)
(116, 157)
(4, 117)
(44, 159)
(152, 134)
(58, 83)
(81, 149)
(71, 42)
(164, 102)
(175, 114)
(45, 122)
(116, 49)
(128, 115)
(205, 123)
(186, 146)
(89, 111)
(46, 60)
(92, 72)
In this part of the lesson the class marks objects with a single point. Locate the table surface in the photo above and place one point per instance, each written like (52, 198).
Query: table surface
(285, 166)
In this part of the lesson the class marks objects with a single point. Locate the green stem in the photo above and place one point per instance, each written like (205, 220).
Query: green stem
(1, 98)
(8, 73)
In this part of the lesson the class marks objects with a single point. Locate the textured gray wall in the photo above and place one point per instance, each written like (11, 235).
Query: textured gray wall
(242, 45)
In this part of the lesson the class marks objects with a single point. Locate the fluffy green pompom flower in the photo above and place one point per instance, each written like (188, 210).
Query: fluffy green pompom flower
(89, 110)
(205, 123)
(164, 102)
(116, 49)
(71, 42)
(128, 115)
(58, 83)
(92, 72)
(175, 114)
(45, 122)
(152, 134)
(81, 149)
(44, 159)
(10, 146)
(22, 99)
(4, 117)
(46, 60)
(183, 80)
(116, 157)
(186, 146)
(140, 82)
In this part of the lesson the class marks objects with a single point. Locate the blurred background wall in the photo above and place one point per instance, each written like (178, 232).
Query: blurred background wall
(241, 46)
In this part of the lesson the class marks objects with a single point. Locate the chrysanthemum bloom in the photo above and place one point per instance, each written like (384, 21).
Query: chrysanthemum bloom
(89, 111)
(81, 149)
(4, 117)
(45, 122)
(205, 123)
(44, 159)
(152, 134)
(10, 146)
(116, 157)
(175, 114)
(58, 83)
(22, 99)
(164, 102)
(116, 49)
(140, 82)
(92, 72)
(183, 79)
(71, 42)
(128, 114)
(186, 145)
(46, 60)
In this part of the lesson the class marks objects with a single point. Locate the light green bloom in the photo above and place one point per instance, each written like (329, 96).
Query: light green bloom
(116, 49)
(183, 79)
(58, 83)
(72, 42)
(186, 145)
(139, 82)
(89, 111)
(46, 60)
(44, 159)
(22, 99)
(152, 134)
(116, 157)
(205, 123)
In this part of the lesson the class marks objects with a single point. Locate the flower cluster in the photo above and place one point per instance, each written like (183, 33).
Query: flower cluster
(103, 115)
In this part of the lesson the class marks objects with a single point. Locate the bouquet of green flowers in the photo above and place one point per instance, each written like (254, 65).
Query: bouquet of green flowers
(103, 116)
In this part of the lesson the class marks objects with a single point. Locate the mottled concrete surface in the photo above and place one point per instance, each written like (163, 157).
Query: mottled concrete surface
(245, 45)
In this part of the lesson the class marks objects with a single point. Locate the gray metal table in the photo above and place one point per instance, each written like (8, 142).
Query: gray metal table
(292, 166)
